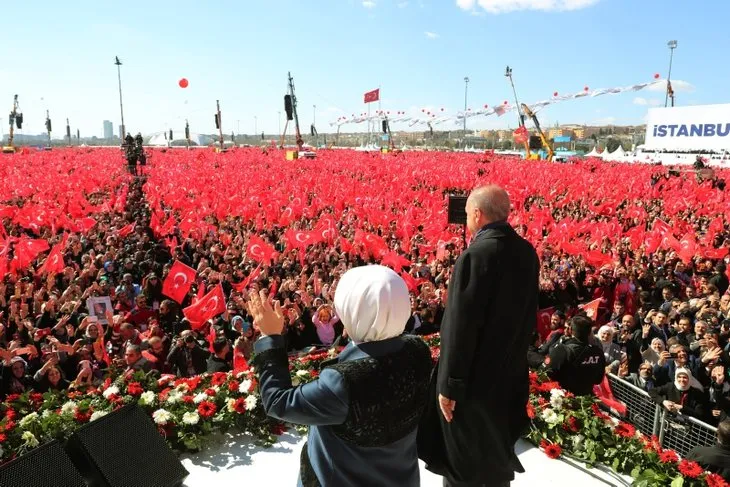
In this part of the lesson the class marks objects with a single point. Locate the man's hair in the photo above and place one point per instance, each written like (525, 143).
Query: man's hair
(723, 433)
(492, 201)
(219, 344)
(134, 348)
(581, 327)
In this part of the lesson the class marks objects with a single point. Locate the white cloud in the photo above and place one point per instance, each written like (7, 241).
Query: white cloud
(646, 101)
(431, 35)
(504, 6)
(402, 4)
(677, 85)
(368, 4)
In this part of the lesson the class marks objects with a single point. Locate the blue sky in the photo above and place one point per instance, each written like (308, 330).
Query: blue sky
(418, 51)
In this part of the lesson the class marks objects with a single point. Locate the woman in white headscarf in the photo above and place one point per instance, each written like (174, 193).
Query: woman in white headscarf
(364, 408)
(653, 353)
(611, 350)
(681, 396)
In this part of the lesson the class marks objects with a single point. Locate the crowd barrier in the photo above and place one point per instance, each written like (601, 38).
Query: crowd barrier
(679, 433)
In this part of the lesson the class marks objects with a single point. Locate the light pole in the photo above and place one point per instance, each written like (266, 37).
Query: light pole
(255, 125)
(672, 45)
(466, 89)
(121, 107)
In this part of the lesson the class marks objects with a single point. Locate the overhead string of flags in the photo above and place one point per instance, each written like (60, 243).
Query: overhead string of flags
(437, 117)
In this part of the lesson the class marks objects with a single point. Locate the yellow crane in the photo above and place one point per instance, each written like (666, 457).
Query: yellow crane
(545, 143)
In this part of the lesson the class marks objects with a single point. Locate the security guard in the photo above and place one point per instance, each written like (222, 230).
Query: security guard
(576, 363)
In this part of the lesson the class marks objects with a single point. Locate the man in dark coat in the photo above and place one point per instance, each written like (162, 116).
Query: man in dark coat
(482, 377)
(716, 458)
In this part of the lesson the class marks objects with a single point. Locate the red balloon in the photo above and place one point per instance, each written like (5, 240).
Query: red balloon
(656, 76)
(585, 88)
(555, 94)
(183, 82)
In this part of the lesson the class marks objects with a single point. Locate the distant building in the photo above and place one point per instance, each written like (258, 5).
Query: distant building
(108, 129)
(121, 135)
(555, 132)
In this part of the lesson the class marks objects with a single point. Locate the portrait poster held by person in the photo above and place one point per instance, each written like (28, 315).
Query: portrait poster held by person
(474, 418)
(365, 405)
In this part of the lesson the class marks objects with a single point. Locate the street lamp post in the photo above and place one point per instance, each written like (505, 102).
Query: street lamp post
(121, 106)
(672, 45)
(466, 89)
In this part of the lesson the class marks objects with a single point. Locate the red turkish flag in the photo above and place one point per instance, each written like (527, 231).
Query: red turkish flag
(240, 287)
(211, 305)
(591, 308)
(543, 321)
(395, 261)
(54, 262)
(126, 230)
(372, 96)
(662, 227)
(178, 281)
(520, 135)
(26, 250)
(260, 251)
(411, 282)
(687, 248)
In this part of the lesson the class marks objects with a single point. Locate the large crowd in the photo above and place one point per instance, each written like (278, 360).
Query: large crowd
(650, 245)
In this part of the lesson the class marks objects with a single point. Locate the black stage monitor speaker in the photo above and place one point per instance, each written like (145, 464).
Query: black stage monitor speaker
(123, 449)
(457, 209)
(535, 142)
(45, 466)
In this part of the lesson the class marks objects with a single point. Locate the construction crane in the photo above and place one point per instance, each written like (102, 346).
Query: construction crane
(290, 105)
(545, 143)
(16, 118)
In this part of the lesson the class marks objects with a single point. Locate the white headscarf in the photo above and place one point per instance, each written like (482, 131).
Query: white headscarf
(373, 303)
(689, 377)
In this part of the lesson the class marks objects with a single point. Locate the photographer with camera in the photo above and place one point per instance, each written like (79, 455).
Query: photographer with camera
(187, 358)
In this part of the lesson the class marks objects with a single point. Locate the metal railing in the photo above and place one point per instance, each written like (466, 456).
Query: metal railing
(680, 433)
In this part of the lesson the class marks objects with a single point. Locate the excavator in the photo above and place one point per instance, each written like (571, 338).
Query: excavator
(545, 143)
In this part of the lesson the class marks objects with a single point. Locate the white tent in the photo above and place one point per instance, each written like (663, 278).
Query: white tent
(178, 138)
(593, 153)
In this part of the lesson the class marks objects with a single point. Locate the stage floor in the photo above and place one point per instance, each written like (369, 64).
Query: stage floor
(233, 460)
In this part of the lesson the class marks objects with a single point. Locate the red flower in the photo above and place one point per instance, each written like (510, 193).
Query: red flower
(314, 373)
(36, 397)
(598, 413)
(690, 469)
(188, 399)
(107, 383)
(3, 437)
(193, 382)
(572, 425)
(714, 480)
(625, 430)
(10, 414)
(206, 409)
(552, 450)
(210, 392)
(12, 397)
(218, 379)
(163, 394)
(83, 417)
(278, 429)
(530, 410)
(233, 386)
(239, 405)
(668, 456)
(541, 401)
(134, 389)
(533, 377)
(548, 386)
(73, 394)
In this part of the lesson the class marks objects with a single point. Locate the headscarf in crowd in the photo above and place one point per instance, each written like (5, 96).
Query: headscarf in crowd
(373, 303)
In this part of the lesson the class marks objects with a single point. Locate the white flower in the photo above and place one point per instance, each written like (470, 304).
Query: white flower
(98, 414)
(174, 397)
(578, 442)
(110, 391)
(191, 417)
(200, 397)
(557, 393)
(245, 386)
(302, 373)
(251, 402)
(161, 416)
(217, 389)
(68, 407)
(549, 416)
(46, 414)
(29, 439)
(183, 387)
(556, 401)
(147, 398)
(28, 419)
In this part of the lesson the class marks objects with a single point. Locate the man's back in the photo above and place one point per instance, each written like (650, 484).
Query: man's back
(716, 459)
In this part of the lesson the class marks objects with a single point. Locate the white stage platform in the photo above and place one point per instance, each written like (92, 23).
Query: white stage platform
(234, 461)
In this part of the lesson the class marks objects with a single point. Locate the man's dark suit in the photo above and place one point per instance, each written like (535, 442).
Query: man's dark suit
(716, 459)
(488, 326)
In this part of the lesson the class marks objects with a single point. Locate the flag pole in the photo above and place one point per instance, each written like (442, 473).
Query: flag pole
(369, 121)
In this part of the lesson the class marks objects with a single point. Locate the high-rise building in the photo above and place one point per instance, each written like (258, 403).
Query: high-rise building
(121, 135)
(108, 129)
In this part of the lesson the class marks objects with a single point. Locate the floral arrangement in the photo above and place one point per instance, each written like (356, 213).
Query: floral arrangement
(188, 410)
